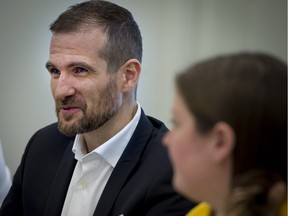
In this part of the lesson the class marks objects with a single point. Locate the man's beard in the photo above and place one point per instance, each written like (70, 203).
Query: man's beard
(106, 105)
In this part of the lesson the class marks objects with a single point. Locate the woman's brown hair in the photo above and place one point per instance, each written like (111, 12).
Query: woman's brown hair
(249, 92)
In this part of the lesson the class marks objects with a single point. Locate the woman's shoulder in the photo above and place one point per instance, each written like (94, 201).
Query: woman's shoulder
(202, 209)
(283, 209)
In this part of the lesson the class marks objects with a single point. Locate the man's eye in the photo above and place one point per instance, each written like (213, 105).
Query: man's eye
(54, 72)
(80, 70)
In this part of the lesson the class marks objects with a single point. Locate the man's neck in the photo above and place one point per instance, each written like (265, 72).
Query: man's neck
(110, 128)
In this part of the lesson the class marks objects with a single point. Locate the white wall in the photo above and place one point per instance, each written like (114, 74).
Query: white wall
(175, 34)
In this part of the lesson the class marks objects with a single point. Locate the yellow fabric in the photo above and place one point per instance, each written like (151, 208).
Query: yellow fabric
(202, 209)
(283, 210)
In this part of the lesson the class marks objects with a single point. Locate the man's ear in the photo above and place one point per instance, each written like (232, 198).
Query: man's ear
(130, 74)
(223, 142)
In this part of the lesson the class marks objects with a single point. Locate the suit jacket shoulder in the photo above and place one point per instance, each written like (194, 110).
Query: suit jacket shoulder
(34, 180)
(141, 181)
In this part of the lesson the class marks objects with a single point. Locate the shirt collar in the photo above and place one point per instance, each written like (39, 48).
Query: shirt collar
(113, 148)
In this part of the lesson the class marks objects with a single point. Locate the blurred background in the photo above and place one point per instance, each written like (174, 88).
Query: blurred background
(176, 33)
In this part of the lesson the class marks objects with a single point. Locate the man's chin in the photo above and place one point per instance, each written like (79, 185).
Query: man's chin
(67, 128)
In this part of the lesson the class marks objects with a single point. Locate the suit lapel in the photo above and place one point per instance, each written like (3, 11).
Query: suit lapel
(125, 166)
(61, 183)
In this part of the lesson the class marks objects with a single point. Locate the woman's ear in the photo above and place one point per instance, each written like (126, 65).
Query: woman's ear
(223, 142)
(130, 74)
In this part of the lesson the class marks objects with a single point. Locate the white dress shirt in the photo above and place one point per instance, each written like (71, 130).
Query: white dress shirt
(93, 170)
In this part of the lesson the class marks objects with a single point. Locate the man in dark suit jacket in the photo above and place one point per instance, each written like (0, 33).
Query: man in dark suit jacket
(139, 185)
(95, 63)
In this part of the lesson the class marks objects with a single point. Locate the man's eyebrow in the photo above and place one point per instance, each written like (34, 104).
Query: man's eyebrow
(49, 65)
(73, 64)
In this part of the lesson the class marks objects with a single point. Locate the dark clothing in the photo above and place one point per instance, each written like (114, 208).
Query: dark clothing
(140, 184)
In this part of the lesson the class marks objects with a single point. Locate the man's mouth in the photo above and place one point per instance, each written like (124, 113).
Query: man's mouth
(70, 109)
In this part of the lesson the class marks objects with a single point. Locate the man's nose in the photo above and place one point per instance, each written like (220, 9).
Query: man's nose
(64, 86)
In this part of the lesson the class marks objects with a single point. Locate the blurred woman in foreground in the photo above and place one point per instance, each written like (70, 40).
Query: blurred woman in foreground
(228, 144)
